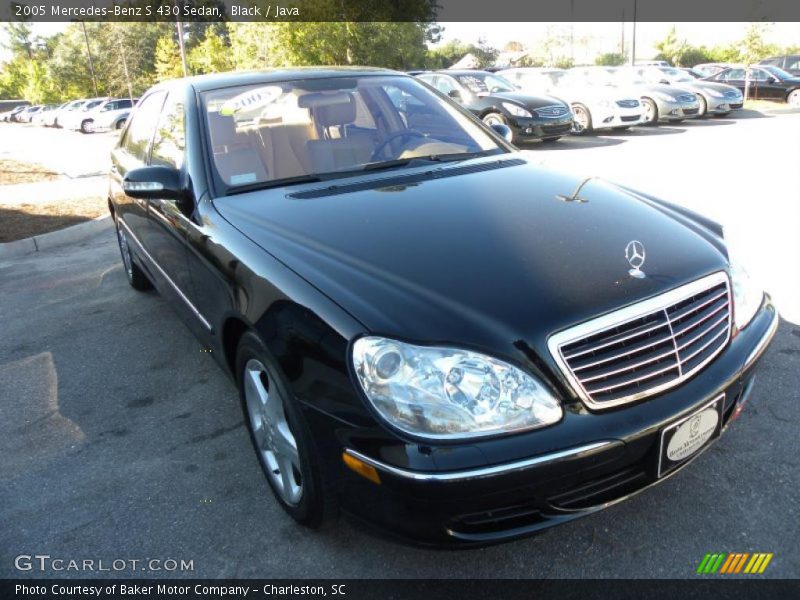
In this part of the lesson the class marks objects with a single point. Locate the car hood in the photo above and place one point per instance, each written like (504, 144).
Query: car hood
(708, 85)
(528, 100)
(488, 253)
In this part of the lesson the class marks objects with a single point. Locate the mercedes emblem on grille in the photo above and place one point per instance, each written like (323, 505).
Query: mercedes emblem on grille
(635, 255)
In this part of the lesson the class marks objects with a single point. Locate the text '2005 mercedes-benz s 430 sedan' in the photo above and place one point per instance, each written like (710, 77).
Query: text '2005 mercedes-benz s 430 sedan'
(429, 332)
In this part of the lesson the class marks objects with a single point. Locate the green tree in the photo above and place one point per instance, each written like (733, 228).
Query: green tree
(212, 54)
(610, 59)
(671, 48)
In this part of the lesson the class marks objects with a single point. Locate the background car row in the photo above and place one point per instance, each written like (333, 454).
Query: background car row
(545, 104)
(85, 115)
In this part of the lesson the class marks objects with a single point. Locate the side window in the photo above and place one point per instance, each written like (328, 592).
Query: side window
(734, 75)
(123, 104)
(758, 75)
(170, 140)
(143, 124)
(444, 85)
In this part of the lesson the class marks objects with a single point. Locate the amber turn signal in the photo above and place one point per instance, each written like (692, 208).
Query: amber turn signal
(362, 468)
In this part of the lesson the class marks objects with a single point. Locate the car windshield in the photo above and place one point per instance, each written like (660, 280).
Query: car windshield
(284, 132)
(594, 77)
(483, 84)
(777, 71)
(676, 75)
(92, 104)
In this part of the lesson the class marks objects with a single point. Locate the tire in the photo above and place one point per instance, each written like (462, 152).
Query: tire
(703, 106)
(281, 437)
(583, 119)
(120, 124)
(136, 277)
(551, 139)
(650, 112)
(793, 98)
(85, 125)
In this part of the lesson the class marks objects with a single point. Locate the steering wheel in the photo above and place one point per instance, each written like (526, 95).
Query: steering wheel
(393, 136)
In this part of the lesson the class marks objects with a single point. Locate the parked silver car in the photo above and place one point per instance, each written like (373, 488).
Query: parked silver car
(110, 115)
(715, 98)
(660, 102)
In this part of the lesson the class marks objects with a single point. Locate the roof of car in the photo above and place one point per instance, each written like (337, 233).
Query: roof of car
(460, 71)
(213, 81)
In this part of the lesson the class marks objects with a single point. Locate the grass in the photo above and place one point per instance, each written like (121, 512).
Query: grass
(18, 221)
(14, 171)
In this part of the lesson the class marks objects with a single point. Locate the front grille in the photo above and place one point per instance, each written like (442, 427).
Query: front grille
(630, 118)
(691, 111)
(687, 98)
(627, 103)
(552, 111)
(646, 348)
(557, 129)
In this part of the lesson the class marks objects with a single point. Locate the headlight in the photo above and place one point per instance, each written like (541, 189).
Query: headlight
(443, 393)
(747, 295)
(516, 110)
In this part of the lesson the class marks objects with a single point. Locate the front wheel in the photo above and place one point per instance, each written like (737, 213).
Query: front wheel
(793, 98)
(281, 437)
(650, 111)
(703, 107)
(136, 277)
(86, 126)
(582, 119)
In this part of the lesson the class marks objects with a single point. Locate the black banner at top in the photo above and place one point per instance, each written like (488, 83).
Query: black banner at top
(401, 10)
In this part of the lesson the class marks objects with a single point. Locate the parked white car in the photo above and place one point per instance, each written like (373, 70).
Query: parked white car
(81, 118)
(41, 117)
(593, 107)
(111, 114)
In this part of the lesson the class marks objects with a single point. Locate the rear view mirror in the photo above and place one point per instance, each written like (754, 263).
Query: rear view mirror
(149, 183)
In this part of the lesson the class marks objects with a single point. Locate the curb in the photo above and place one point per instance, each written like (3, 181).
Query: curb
(69, 235)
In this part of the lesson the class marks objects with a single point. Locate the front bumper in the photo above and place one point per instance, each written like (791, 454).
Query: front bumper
(535, 128)
(618, 117)
(671, 111)
(605, 458)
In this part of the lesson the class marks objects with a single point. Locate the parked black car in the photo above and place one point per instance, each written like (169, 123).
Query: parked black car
(427, 330)
(788, 62)
(496, 100)
(766, 83)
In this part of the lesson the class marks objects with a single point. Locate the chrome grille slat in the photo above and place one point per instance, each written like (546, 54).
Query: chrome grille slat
(703, 333)
(702, 319)
(616, 341)
(658, 342)
(694, 308)
(670, 352)
(646, 348)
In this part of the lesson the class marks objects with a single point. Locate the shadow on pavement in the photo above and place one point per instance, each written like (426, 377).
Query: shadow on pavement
(572, 142)
(646, 130)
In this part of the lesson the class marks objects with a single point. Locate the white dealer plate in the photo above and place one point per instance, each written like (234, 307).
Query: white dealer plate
(684, 438)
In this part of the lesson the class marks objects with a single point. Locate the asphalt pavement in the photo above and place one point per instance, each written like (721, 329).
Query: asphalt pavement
(122, 440)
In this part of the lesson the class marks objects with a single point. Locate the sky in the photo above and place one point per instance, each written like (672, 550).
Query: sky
(603, 37)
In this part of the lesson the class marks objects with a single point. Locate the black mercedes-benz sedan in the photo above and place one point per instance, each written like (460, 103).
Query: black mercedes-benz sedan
(427, 331)
(495, 100)
(767, 82)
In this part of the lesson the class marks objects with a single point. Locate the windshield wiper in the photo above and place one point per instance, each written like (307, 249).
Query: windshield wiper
(265, 185)
(429, 158)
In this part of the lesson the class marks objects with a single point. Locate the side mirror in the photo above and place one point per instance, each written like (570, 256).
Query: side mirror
(772, 80)
(504, 131)
(149, 183)
(455, 95)
(664, 81)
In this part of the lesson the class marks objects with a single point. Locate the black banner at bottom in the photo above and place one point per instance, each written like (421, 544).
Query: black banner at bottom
(412, 589)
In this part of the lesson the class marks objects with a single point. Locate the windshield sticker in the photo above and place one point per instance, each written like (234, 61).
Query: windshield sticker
(250, 100)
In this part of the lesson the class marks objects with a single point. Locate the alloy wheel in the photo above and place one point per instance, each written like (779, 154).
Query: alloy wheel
(273, 435)
(125, 251)
(581, 122)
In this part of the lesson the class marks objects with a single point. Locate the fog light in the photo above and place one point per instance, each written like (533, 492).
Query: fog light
(608, 119)
(362, 468)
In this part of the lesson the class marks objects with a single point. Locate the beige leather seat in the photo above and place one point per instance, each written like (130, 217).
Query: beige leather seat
(236, 154)
(339, 147)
